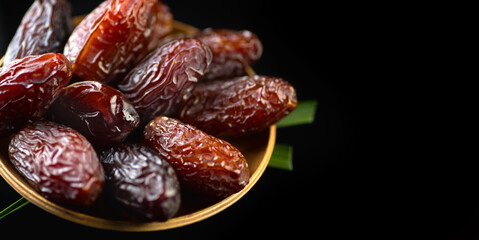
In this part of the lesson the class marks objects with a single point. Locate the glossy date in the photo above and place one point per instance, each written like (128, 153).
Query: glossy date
(232, 51)
(114, 36)
(57, 162)
(203, 163)
(45, 28)
(28, 86)
(161, 81)
(101, 113)
(239, 106)
(141, 181)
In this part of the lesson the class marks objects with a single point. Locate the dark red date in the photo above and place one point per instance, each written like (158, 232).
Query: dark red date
(232, 51)
(45, 28)
(161, 81)
(28, 86)
(58, 162)
(114, 36)
(238, 106)
(141, 181)
(203, 163)
(101, 113)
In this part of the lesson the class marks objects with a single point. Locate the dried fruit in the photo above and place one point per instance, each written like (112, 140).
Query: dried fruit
(232, 51)
(45, 28)
(28, 86)
(165, 77)
(203, 163)
(114, 36)
(141, 181)
(57, 162)
(99, 112)
(239, 106)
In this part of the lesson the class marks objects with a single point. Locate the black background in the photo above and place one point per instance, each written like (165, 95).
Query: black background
(356, 167)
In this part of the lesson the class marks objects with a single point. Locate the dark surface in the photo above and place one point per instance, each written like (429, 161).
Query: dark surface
(354, 168)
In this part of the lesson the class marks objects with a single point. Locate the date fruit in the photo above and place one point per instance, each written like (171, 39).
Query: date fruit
(99, 112)
(141, 181)
(239, 106)
(45, 28)
(232, 51)
(203, 163)
(58, 162)
(161, 81)
(114, 36)
(28, 86)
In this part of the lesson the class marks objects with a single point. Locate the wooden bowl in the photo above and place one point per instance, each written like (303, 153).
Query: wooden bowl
(256, 148)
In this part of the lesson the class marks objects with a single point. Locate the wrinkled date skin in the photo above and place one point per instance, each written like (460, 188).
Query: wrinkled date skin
(45, 28)
(239, 106)
(99, 112)
(232, 51)
(160, 82)
(58, 162)
(203, 163)
(28, 86)
(114, 36)
(141, 181)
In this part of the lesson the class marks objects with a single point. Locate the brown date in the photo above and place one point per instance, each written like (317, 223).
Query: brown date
(114, 36)
(58, 162)
(232, 51)
(203, 163)
(165, 77)
(99, 112)
(141, 181)
(45, 27)
(238, 106)
(28, 86)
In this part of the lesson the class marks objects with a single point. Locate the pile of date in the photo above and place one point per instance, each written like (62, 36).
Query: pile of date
(117, 108)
